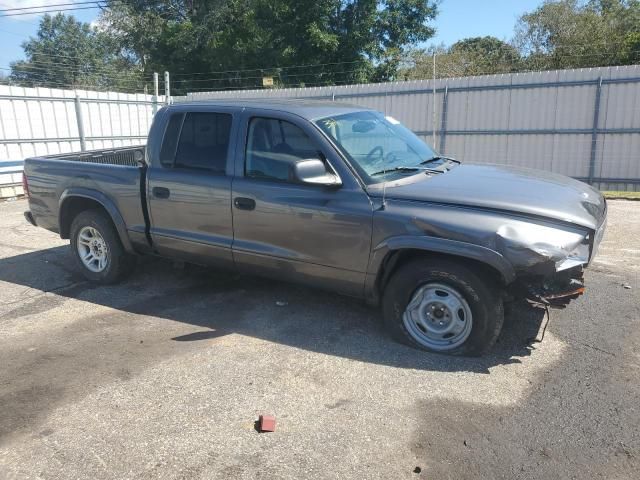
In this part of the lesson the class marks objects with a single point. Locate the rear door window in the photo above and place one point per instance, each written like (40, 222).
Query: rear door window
(204, 142)
(170, 139)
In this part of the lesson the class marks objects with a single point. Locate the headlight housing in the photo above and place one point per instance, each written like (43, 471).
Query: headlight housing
(578, 256)
(529, 245)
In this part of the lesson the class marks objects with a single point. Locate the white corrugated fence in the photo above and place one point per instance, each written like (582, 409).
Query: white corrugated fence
(41, 121)
(583, 123)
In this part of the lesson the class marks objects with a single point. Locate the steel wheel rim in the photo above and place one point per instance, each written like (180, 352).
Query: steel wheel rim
(92, 249)
(438, 317)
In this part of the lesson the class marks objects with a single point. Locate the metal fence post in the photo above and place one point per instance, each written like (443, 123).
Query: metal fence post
(167, 88)
(594, 132)
(155, 93)
(443, 120)
(83, 142)
(435, 114)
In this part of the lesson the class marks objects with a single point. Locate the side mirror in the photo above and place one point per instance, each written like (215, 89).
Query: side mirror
(314, 172)
(363, 126)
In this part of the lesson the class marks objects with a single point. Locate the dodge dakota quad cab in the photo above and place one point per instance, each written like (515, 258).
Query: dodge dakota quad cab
(330, 195)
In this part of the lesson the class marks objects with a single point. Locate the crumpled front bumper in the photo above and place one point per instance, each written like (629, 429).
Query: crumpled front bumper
(597, 238)
(558, 290)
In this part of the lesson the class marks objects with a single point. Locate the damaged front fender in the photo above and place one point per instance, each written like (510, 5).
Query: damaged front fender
(444, 246)
(537, 257)
(542, 250)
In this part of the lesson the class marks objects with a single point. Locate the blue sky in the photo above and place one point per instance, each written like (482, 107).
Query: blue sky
(476, 18)
(457, 19)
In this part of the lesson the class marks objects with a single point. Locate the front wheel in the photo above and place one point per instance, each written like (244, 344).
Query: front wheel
(97, 248)
(444, 307)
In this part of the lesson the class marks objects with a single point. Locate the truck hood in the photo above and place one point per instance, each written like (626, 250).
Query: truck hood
(500, 187)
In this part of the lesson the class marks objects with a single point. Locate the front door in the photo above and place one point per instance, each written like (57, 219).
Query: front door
(189, 192)
(312, 234)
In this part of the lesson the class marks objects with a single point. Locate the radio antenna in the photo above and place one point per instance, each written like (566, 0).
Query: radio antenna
(384, 192)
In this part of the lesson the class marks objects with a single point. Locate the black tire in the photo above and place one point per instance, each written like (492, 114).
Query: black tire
(119, 263)
(483, 296)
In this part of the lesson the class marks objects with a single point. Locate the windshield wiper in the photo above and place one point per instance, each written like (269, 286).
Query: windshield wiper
(398, 169)
(435, 158)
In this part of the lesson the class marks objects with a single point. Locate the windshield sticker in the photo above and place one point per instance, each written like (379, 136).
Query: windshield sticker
(392, 120)
(329, 122)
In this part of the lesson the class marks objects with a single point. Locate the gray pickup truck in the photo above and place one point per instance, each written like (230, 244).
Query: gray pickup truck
(330, 195)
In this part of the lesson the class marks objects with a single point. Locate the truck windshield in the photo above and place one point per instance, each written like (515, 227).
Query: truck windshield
(379, 147)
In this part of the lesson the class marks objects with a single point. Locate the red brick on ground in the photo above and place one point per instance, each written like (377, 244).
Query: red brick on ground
(267, 423)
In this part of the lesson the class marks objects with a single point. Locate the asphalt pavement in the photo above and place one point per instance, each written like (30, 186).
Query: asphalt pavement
(164, 375)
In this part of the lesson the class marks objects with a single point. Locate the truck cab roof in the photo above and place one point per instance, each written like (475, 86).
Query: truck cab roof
(308, 109)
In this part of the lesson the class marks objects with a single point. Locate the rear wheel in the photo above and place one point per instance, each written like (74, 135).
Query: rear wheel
(97, 248)
(444, 307)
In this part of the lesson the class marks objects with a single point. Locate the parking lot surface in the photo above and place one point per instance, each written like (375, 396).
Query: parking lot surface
(163, 377)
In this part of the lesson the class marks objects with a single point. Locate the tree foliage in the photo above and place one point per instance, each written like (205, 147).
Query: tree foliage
(480, 55)
(66, 53)
(220, 44)
(304, 42)
(573, 34)
(470, 56)
(557, 35)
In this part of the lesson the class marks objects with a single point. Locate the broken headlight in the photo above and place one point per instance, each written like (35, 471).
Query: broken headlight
(529, 245)
(578, 256)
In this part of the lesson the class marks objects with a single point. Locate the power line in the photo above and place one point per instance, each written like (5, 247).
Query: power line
(67, 7)
(52, 67)
(270, 68)
(51, 5)
(47, 65)
(57, 10)
(285, 68)
(42, 79)
(41, 76)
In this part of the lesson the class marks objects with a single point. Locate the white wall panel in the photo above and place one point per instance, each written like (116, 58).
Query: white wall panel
(41, 121)
(506, 104)
(111, 119)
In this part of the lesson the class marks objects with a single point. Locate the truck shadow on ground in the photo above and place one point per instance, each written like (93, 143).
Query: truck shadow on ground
(220, 303)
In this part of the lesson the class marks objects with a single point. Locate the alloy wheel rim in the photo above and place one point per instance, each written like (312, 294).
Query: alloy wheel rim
(92, 249)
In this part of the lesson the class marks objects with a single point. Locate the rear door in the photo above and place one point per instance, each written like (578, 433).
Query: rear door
(189, 190)
(309, 233)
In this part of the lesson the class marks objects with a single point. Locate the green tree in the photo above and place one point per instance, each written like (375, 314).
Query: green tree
(470, 56)
(311, 42)
(66, 53)
(485, 55)
(630, 52)
(573, 34)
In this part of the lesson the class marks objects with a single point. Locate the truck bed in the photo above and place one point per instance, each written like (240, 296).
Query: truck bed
(125, 156)
(110, 174)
